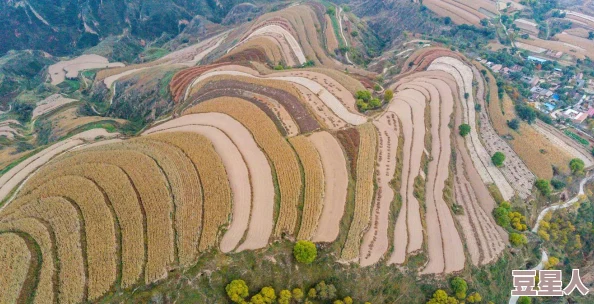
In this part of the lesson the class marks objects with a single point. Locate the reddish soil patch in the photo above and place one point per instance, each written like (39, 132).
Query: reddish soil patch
(350, 139)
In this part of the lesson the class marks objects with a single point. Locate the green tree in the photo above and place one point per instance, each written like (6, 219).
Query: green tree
(551, 263)
(577, 166)
(514, 124)
(348, 300)
(325, 291)
(388, 95)
(237, 290)
(268, 294)
(517, 240)
(464, 129)
(441, 297)
(338, 302)
(312, 293)
(305, 252)
(524, 300)
(543, 186)
(498, 158)
(501, 216)
(460, 287)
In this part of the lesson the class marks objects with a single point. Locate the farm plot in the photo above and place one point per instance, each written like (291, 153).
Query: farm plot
(556, 46)
(409, 107)
(70, 68)
(583, 43)
(580, 18)
(531, 48)
(222, 156)
(375, 241)
(20, 172)
(215, 186)
(537, 152)
(527, 26)
(331, 41)
(328, 98)
(193, 54)
(62, 217)
(481, 158)
(284, 93)
(285, 39)
(335, 185)
(261, 49)
(563, 142)
(516, 172)
(261, 221)
(269, 104)
(363, 191)
(15, 261)
(281, 154)
(115, 184)
(99, 229)
(9, 132)
(314, 186)
(457, 14)
(44, 291)
(49, 104)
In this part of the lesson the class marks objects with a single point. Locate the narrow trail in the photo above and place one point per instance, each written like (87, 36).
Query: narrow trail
(569, 203)
(346, 42)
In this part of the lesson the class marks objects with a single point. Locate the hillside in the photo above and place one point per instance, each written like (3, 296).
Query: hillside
(177, 163)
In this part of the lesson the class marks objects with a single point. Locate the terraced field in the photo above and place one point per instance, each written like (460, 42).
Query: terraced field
(250, 156)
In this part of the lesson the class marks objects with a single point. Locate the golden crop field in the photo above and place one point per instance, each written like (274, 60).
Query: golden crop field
(215, 185)
(14, 255)
(314, 186)
(363, 191)
(281, 155)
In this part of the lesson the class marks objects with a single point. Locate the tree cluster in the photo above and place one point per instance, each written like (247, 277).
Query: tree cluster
(366, 101)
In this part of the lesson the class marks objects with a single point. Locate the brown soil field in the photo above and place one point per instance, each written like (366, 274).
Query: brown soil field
(331, 41)
(313, 186)
(271, 101)
(565, 143)
(14, 255)
(557, 46)
(68, 120)
(458, 15)
(262, 49)
(49, 104)
(350, 139)
(70, 68)
(336, 180)
(375, 240)
(584, 43)
(363, 191)
(282, 156)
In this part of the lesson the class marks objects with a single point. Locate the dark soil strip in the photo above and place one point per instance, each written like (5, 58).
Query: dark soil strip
(349, 138)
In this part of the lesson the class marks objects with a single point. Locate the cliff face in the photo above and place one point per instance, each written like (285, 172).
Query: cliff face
(61, 27)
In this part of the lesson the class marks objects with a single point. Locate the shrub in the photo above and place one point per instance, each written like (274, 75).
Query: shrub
(237, 290)
(557, 184)
(297, 294)
(498, 158)
(440, 297)
(543, 186)
(517, 240)
(513, 124)
(577, 166)
(388, 95)
(460, 287)
(474, 297)
(305, 252)
(325, 291)
(464, 129)
(524, 300)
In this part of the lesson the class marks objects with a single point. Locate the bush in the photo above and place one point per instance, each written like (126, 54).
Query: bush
(577, 166)
(513, 124)
(388, 95)
(557, 184)
(517, 240)
(498, 158)
(543, 186)
(305, 252)
(237, 290)
(501, 216)
(325, 291)
(464, 129)
(460, 287)
(524, 300)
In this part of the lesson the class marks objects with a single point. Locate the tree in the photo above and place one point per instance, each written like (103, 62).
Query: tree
(325, 291)
(577, 166)
(543, 186)
(501, 216)
(517, 240)
(557, 184)
(551, 263)
(524, 300)
(305, 252)
(474, 297)
(237, 290)
(464, 129)
(284, 297)
(498, 158)
(447, 20)
(513, 124)
(460, 287)
(298, 294)
(388, 95)
(526, 113)
(441, 297)
(348, 300)
(466, 95)
(312, 293)
(268, 294)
